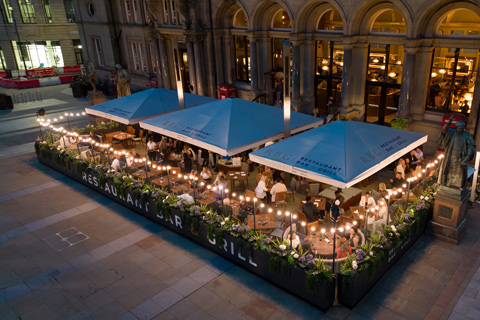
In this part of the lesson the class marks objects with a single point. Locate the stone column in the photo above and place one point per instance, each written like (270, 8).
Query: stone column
(253, 64)
(219, 55)
(296, 100)
(347, 79)
(156, 54)
(407, 83)
(229, 52)
(163, 67)
(423, 61)
(198, 66)
(307, 76)
(191, 64)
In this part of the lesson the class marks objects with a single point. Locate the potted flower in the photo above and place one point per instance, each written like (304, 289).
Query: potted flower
(79, 88)
(5, 102)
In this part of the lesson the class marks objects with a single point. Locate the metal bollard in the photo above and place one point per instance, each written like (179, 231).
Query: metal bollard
(39, 94)
(23, 98)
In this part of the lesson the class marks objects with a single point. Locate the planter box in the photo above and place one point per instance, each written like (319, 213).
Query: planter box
(79, 91)
(6, 102)
(254, 260)
(352, 290)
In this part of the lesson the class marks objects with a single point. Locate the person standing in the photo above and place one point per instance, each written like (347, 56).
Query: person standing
(151, 150)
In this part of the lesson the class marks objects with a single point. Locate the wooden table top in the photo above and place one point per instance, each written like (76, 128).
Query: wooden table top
(139, 174)
(320, 202)
(322, 247)
(120, 135)
(207, 197)
(263, 221)
(175, 157)
(163, 181)
(236, 175)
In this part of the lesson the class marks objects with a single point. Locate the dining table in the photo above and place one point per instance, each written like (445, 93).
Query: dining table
(322, 243)
(261, 221)
(120, 135)
(319, 202)
(236, 176)
(163, 180)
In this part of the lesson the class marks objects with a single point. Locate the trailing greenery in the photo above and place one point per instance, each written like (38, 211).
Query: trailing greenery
(282, 257)
(102, 126)
(398, 123)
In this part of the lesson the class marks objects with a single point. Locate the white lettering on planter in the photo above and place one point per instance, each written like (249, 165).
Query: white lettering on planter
(212, 241)
(160, 215)
(239, 255)
(84, 176)
(90, 179)
(129, 198)
(107, 189)
(225, 245)
(95, 181)
(251, 262)
(232, 248)
(114, 192)
(178, 222)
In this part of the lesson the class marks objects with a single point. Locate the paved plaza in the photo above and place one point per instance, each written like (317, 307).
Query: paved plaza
(68, 252)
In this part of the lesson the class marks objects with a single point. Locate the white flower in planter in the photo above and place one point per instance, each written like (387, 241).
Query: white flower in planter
(421, 197)
(282, 247)
(222, 223)
(427, 198)
(371, 254)
(295, 256)
(354, 266)
(293, 252)
(393, 228)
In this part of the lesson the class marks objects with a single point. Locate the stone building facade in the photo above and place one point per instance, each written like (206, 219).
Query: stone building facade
(47, 34)
(415, 59)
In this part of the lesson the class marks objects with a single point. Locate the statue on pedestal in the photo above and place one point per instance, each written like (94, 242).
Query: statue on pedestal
(123, 82)
(459, 150)
(91, 74)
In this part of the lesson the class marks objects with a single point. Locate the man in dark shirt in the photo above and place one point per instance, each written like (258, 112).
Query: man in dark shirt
(339, 197)
(398, 181)
(311, 211)
(219, 208)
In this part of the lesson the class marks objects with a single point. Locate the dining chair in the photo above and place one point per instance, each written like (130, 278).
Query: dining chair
(250, 194)
(281, 199)
(286, 232)
(313, 189)
(291, 190)
(138, 139)
(313, 227)
(303, 184)
(302, 219)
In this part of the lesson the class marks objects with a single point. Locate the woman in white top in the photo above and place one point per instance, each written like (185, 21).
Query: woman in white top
(206, 175)
(151, 146)
(217, 179)
(261, 189)
(401, 167)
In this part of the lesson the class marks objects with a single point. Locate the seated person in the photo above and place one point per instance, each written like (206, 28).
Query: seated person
(206, 175)
(279, 174)
(382, 209)
(295, 240)
(222, 209)
(311, 211)
(398, 182)
(135, 154)
(382, 189)
(116, 163)
(419, 155)
(217, 179)
(94, 137)
(344, 250)
(307, 246)
(222, 183)
(353, 237)
(277, 187)
(261, 188)
(367, 200)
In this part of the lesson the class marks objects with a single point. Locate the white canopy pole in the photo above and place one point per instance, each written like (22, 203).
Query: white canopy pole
(178, 74)
(475, 177)
(286, 88)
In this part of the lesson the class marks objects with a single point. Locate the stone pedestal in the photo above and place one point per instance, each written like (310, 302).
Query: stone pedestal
(95, 97)
(448, 222)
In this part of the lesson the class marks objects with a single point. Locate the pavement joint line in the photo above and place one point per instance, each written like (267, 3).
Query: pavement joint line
(168, 297)
(54, 274)
(42, 223)
(455, 281)
(29, 190)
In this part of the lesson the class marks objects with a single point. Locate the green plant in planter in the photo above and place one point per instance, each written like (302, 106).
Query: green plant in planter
(398, 123)
(79, 83)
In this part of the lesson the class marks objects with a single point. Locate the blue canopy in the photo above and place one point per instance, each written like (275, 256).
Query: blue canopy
(341, 153)
(228, 126)
(133, 108)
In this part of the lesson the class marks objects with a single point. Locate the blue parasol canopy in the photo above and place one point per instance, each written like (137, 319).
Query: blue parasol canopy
(133, 108)
(341, 153)
(228, 126)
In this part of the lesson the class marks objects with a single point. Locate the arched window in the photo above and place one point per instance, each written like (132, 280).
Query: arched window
(281, 20)
(388, 21)
(454, 68)
(240, 20)
(459, 23)
(330, 21)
